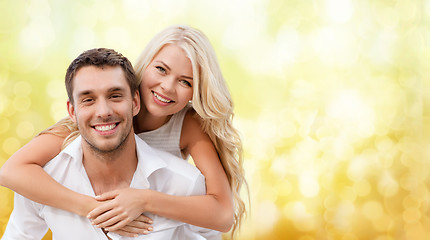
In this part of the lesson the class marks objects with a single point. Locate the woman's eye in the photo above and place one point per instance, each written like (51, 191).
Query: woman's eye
(186, 83)
(161, 69)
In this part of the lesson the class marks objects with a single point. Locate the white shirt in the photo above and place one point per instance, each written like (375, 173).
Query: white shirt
(167, 138)
(156, 170)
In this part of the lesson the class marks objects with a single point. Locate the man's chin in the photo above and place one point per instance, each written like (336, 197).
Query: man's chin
(106, 148)
(104, 145)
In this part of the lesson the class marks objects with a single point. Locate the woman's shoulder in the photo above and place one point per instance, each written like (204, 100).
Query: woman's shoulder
(192, 119)
(187, 110)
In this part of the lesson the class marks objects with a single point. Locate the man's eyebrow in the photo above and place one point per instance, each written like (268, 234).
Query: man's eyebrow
(167, 66)
(84, 93)
(116, 89)
(112, 89)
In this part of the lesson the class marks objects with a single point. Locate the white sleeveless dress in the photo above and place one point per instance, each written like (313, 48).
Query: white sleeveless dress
(167, 137)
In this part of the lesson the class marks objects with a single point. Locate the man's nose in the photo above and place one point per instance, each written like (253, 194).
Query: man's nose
(103, 109)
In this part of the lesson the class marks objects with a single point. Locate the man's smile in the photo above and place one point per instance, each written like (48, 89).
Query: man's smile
(104, 128)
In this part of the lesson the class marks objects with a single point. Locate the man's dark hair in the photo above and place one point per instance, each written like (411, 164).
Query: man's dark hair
(100, 57)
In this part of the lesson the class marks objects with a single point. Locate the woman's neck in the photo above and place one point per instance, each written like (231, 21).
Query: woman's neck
(144, 121)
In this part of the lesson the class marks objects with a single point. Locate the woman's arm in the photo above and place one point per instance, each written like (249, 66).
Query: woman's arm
(213, 210)
(25, 166)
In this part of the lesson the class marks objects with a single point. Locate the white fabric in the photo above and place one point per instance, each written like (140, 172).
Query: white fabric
(156, 170)
(167, 137)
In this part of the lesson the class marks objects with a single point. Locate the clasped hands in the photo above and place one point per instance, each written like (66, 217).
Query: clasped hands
(121, 211)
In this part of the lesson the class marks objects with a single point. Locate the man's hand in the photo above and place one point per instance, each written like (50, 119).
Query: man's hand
(121, 212)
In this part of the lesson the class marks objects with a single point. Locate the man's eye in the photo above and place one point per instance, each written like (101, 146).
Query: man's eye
(116, 96)
(86, 100)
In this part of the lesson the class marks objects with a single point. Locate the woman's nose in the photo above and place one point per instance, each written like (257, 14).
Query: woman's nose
(168, 84)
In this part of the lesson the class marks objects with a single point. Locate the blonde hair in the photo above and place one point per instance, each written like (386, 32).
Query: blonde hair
(211, 100)
(65, 128)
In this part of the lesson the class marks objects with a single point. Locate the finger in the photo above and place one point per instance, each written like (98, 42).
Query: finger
(140, 225)
(107, 196)
(96, 212)
(144, 219)
(126, 223)
(101, 219)
(136, 230)
(114, 223)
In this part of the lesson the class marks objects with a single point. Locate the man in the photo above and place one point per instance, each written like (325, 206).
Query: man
(103, 98)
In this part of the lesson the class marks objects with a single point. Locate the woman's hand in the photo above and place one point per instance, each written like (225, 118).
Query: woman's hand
(118, 210)
(138, 226)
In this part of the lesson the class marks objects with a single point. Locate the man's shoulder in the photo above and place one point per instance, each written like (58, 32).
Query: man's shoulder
(63, 161)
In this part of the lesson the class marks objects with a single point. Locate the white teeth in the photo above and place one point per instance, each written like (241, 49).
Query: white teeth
(105, 127)
(160, 98)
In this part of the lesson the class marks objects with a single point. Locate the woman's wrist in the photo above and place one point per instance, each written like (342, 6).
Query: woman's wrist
(146, 199)
(153, 200)
(85, 205)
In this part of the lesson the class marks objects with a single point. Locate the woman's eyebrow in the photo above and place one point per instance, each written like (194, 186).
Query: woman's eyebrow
(168, 68)
(164, 64)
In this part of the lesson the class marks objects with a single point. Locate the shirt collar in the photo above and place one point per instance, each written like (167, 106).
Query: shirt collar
(148, 159)
(74, 151)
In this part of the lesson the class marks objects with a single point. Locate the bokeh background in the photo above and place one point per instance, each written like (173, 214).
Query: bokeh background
(332, 98)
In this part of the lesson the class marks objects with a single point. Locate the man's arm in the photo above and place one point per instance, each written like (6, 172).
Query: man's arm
(25, 221)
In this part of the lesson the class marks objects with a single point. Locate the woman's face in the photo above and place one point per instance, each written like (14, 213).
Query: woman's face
(167, 83)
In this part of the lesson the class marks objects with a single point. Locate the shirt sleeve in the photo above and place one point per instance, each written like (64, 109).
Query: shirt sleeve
(25, 222)
(199, 187)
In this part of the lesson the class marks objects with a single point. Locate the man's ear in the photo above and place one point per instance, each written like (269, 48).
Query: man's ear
(71, 110)
(136, 103)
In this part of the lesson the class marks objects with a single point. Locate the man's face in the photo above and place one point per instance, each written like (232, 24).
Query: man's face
(103, 107)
